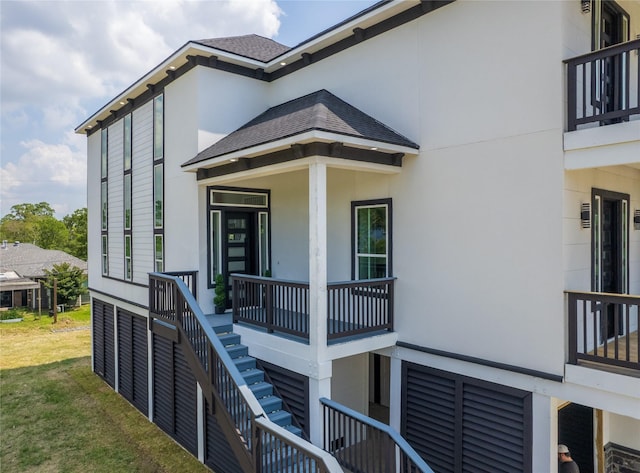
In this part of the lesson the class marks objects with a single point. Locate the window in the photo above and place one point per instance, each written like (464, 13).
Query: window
(216, 245)
(127, 142)
(128, 269)
(158, 195)
(104, 198)
(105, 255)
(263, 244)
(158, 182)
(158, 254)
(127, 201)
(158, 127)
(371, 239)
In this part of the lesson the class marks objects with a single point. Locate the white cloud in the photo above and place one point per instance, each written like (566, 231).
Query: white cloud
(53, 173)
(62, 60)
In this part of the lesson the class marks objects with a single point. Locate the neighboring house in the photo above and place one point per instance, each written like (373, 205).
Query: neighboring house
(429, 214)
(22, 274)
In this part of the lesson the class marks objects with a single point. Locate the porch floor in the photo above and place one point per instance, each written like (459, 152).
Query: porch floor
(622, 354)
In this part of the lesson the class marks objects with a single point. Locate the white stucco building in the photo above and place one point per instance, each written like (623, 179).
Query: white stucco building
(431, 221)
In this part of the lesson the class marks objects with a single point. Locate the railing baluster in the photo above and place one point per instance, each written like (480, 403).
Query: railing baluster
(601, 311)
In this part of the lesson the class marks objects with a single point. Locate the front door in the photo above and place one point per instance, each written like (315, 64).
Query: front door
(610, 254)
(240, 245)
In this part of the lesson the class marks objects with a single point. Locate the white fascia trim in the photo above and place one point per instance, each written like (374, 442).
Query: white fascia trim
(308, 137)
(177, 59)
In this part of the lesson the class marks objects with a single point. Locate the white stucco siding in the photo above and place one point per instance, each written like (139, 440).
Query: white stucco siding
(115, 193)
(142, 192)
(225, 102)
(478, 253)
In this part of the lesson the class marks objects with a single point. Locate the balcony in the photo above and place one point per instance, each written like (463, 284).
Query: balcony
(354, 308)
(603, 331)
(603, 108)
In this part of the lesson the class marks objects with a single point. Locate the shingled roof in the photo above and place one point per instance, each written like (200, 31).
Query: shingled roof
(250, 46)
(30, 261)
(320, 111)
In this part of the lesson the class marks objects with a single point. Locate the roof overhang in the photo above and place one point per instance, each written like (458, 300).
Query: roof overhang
(18, 285)
(344, 150)
(375, 15)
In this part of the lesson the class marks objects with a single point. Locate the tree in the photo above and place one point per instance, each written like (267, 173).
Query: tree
(32, 223)
(76, 224)
(70, 282)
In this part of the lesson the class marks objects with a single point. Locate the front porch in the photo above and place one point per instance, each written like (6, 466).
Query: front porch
(354, 308)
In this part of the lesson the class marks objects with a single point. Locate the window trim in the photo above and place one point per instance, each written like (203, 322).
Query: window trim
(355, 205)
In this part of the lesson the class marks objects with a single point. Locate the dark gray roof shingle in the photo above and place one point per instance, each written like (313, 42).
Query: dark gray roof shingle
(30, 261)
(251, 46)
(321, 111)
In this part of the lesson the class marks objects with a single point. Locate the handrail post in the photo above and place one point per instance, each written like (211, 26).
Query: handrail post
(269, 305)
(573, 328)
(571, 96)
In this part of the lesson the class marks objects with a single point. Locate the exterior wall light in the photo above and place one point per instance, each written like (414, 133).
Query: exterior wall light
(585, 215)
(636, 219)
(585, 6)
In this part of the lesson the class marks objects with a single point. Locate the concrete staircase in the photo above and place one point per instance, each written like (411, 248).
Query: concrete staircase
(255, 378)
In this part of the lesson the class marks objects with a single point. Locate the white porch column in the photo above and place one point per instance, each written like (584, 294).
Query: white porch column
(320, 369)
(318, 259)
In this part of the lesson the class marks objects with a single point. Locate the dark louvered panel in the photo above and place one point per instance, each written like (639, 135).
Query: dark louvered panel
(140, 347)
(98, 337)
(186, 425)
(492, 424)
(163, 383)
(109, 346)
(218, 455)
(293, 388)
(125, 356)
(430, 416)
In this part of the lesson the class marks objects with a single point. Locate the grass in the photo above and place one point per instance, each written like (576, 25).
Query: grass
(56, 415)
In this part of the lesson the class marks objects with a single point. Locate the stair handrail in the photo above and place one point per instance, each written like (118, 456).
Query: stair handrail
(258, 417)
(389, 431)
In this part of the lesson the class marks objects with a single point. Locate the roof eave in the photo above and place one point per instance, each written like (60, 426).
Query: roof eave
(173, 62)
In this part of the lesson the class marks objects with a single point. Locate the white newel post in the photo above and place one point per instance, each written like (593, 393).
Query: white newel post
(320, 373)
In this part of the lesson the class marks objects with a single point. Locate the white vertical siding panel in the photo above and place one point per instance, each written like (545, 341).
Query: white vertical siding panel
(142, 192)
(116, 212)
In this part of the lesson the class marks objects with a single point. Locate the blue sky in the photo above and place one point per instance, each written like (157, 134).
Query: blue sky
(60, 61)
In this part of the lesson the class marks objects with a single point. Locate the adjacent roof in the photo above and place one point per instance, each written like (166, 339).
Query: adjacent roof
(250, 46)
(30, 261)
(320, 111)
(11, 281)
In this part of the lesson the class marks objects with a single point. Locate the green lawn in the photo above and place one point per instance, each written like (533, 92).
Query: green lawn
(58, 416)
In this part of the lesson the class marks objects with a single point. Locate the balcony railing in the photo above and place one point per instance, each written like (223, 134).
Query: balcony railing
(603, 86)
(353, 307)
(364, 445)
(603, 328)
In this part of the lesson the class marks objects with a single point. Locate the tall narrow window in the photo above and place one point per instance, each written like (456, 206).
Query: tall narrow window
(105, 255)
(158, 127)
(104, 199)
(158, 196)
(158, 254)
(128, 267)
(127, 198)
(215, 249)
(263, 244)
(158, 181)
(371, 239)
(127, 142)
